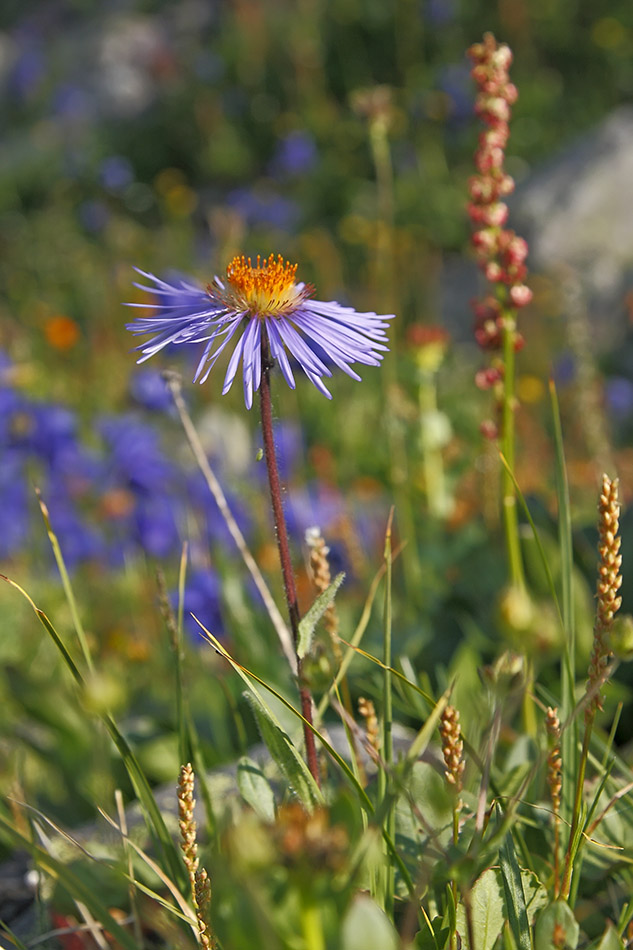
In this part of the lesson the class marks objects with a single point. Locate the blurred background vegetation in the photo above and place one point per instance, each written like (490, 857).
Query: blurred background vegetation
(170, 136)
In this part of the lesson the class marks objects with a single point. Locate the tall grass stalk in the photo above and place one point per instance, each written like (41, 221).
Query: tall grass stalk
(386, 886)
(68, 590)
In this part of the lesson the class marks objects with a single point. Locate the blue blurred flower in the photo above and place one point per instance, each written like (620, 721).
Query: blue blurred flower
(28, 71)
(296, 154)
(454, 80)
(93, 215)
(440, 12)
(137, 460)
(116, 172)
(268, 308)
(42, 430)
(79, 541)
(71, 102)
(565, 369)
(619, 396)
(156, 525)
(202, 598)
(148, 388)
(290, 447)
(263, 208)
(14, 510)
(207, 513)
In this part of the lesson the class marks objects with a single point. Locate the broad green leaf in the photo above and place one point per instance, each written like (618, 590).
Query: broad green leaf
(610, 939)
(307, 624)
(366, 927)
(284, 753)
(255, 789)
(487, 912)
(436, 939)
(536, 896)
(553, 923)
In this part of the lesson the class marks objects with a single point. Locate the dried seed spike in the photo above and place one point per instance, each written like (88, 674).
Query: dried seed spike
(322, 578)
(367, 710)
(452, 748)
(203, 904)
(198, 877)
(608, 585)
(186, 804)
(554, 761)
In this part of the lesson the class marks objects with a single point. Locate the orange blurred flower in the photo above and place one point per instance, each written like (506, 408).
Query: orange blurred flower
(61, 332)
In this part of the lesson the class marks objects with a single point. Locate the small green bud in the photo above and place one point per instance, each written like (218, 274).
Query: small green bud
(260, 455)
(621, 637)
(103, 693)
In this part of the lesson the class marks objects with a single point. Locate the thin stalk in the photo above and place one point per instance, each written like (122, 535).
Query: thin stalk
(174, 386)
(68, 590)
(387, 737)
(136, 920)
(510, 514)
(312, 925)
(181, 705)
(575, 818)
(386, 282)
(281, 531)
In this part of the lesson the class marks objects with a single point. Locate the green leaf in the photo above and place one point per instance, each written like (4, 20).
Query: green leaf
(610, 939)
(367, 927)
(487, 912)
(283, 752)
(255, 789)
(435, 939)
(553, 922)
(515, 897)
(307, 624)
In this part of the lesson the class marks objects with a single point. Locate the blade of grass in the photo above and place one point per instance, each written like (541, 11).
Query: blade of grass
(385, 882)
(68, 590)
(358, 634)
(15, 940)
(154, 818)
(181, 714)
(244, 673)
(72, 883)
(569, 738)
(537, 539)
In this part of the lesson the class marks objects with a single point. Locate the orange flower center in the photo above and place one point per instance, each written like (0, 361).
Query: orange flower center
(266, 289)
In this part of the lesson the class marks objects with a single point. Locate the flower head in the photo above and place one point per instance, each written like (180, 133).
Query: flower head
(262, 309)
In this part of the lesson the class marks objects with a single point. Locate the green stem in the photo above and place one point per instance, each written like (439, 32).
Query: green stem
(432, 460)
(68, 590)
(312, 926)
(575, 819)
(510, 514)
(387, 736)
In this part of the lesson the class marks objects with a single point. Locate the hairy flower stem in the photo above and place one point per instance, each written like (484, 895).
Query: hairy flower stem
(284, 550)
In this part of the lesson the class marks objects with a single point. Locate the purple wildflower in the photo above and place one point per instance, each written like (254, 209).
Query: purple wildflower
(254, 303)
(203, 599)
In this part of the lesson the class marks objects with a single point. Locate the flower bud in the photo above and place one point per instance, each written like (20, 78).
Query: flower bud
(621, 637)
(520, 295)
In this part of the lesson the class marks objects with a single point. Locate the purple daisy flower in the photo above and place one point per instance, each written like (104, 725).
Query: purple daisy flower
(260, 307)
